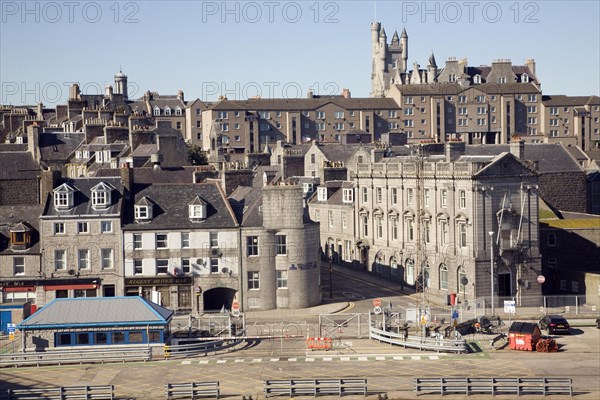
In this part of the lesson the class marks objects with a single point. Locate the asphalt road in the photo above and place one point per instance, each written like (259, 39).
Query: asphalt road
(388, 369)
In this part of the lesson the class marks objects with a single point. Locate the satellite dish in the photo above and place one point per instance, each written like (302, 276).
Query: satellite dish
(225, 270)
(464, 281)
(71, 272)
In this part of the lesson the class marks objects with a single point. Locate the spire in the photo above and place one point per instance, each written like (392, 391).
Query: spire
(432, 62)
(404, 35)
(395, 38)
(382, 34)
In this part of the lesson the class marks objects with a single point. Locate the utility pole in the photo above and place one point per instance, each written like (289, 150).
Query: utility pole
(491, 233)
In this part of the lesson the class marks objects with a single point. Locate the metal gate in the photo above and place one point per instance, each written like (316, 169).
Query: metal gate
(344, 325)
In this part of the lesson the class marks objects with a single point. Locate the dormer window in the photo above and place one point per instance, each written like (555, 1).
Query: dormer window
(178, 111)
(20, 236)
(167, 111)
(307, 188)
(322, 194)
(101, 196)
(63, 197)
(525, 78)
(143, 210)
(348, 196)
(156, 111)
(197, 209)
(502, 79)
(477, 79)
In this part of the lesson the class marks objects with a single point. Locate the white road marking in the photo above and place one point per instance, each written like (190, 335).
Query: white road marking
(363, 359)
(256, 360)
(187, 362)
(239, 360)
(397, 358)
(344, 358)
(380, 358)
(415, 357)
(434, 358)
(204, 361)
(292, 359)
(327, 358)
(309, 359)
(274, 359)
(221, 361)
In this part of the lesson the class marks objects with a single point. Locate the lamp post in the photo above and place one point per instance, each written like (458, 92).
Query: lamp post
(330, 281)
(491, 233)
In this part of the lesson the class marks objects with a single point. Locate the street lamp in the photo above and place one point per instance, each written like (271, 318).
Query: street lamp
(491, 233)
(330, 282)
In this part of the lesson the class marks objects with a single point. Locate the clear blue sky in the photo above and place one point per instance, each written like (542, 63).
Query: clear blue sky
(279, 48)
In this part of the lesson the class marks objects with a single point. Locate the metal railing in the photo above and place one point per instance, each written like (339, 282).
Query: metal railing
(64, 393)
(75, 356)
(192, 390)
(194, 349)
(494, 386)
(316, 387)
(438, 343)
(545, 305)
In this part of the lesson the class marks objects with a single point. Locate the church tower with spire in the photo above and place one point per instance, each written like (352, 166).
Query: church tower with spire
(389, 61)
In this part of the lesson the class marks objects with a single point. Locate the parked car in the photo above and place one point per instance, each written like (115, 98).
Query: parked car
(554, 324)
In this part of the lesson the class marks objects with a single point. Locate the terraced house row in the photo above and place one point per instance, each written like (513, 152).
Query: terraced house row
(184, 245)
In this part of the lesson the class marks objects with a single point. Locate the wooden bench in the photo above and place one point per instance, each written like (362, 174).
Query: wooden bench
(192, 390)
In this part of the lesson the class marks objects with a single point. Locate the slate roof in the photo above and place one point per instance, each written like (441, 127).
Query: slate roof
(246, 202)
(335, 194)
(11, 216)
(549, 157)
(170, 210)
(18, 165)
(58, 146)
(569, 101)
(337, 151)
(83, 198)
(305, 104)
(97, 312)
(145, 150)
(455, 88)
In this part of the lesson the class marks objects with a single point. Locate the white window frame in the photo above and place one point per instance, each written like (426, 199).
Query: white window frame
(83, 227)
(18, 266)
(106, 226)
(83, 259)
(282, 279)
(60, 259)
(107, 258)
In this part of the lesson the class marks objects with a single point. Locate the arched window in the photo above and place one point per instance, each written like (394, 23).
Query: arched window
(462, 279)
(477, 79)
(443, 277)
(524, 78)
(410, 271)
(156, 111)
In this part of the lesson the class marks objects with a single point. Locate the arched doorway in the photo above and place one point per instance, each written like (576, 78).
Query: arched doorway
(217, 298)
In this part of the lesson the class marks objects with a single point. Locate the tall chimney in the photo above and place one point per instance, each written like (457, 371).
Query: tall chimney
(126, 179)
(517, 149)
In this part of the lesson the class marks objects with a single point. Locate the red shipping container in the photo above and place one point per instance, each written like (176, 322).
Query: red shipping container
(523, 336)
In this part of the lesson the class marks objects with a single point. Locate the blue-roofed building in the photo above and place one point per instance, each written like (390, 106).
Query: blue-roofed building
(97, 321)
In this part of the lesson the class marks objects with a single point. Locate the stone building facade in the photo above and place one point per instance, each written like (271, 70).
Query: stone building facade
(424, 220)
(280, 248)
(81, 240)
